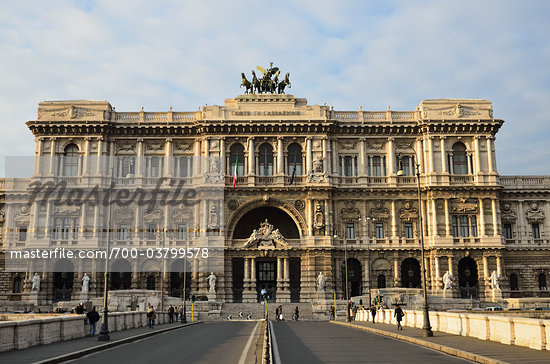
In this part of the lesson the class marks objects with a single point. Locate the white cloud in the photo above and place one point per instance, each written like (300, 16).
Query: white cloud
(158, 54)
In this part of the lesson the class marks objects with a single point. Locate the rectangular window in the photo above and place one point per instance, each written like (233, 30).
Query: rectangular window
(348, 166)
(455, 226)
(126, 166)
(464, 230)
(184, 166)
(376, 166)
(75, 229)
(350, 230)
(507, 231)
(406, 165)
(122, 232)
(409, 234)
(155, 167)
(473, 226)
(379, 230)
(152, 232)
(23, 233)
(182, 232)
(66, 229)
(535, 227)
(57, 229)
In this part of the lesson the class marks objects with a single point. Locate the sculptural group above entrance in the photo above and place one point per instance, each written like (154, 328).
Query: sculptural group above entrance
(268, 83)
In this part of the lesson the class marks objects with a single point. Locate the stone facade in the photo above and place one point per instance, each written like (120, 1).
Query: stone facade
(335, 184)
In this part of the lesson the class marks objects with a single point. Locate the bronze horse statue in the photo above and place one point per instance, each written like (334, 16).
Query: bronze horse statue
(256, 85)
(247, 85)
(284, 83)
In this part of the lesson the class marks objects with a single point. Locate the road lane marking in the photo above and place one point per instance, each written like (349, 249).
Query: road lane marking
(274, 347)
(242, 359)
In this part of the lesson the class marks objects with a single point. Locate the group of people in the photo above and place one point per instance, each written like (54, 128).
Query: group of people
(174, 311)
(279, 313)
(398, 313)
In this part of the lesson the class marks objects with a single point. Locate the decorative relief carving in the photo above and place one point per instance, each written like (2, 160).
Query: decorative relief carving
(350, 213)
(347, 144)
(155, 147)
(464, 206)
(214, 175)
(408, 212)
(319, 219)
(184, 146)
(67, 210)
(124, 214)
(299, 204)
(213, 218)
(182, 213)
(459, 111)
(534, 213)
(376, 145)
(233, 205)
(379, 211)
(266, 237)
(317, 174)
(507, 213)
(154, 215)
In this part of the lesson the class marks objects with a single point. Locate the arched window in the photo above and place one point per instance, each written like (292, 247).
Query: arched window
(460, 161)
(266, 160)
(151, 283)
(294, 160)
(514, 282)
(236, 158)
(70, 160)
(542, 282)
(381, 281)
(17, 284)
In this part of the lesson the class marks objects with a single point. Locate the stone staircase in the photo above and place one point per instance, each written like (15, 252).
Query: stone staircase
(256, 310)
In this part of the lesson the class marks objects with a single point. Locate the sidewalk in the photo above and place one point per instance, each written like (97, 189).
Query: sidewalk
(480, 351)
(44, 352)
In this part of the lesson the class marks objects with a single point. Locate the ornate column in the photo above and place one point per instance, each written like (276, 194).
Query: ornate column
(477, 161)
(99, 154)
(246, 283)
(222, 156)
(481, 218)
(280, 157)
(437, 271)
(495, 216)
(47, 226)
(308, 155)
(38, 157)
(253, 275)
(391, 157)
(396, 271)
(96, 220)
(251, 157)
(434, 219)
(485, 268)
(431, 154)
(490, 153)
(443, 155)
(362, 156)
(334, 152)
(82, 227)
(499, 265)
(140, 158)
(197, 158)
(168, 164)
(448, 231)
(393, 219)
(52, 156)
(420, 156)
(325, 159)
(86, 160)
(206, 145)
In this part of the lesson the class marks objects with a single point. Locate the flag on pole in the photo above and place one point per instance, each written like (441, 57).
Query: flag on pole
(293, 174)
(235, 174)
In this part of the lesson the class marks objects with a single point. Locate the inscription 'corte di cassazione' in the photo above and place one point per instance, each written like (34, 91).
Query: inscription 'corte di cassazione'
(265, 113)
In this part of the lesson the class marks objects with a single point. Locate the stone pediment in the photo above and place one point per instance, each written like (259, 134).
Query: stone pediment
(449, 109)
(464, 206)
(507, 213)
(534, 213)
(70, 111)
(266, 238)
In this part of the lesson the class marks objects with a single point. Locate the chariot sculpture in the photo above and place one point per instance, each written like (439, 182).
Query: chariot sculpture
(268, 83)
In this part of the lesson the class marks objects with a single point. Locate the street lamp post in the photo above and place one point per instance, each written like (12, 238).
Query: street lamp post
(426, 327)
(104, 329)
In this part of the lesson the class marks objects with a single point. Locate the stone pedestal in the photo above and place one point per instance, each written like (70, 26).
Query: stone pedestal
(211, 296)
(496, 295)
(84, 296)
(34, 298)
(447, 293)
(250, 296)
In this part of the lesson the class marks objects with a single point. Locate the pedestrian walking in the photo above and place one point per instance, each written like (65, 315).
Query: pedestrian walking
(331, 313)
(170, 314)
(181, 313)
(93, 318)
(373, 312)
(281, 313)
(398, 314)
(277, 313)
(151, 316)
(296, 313)
(176, 312)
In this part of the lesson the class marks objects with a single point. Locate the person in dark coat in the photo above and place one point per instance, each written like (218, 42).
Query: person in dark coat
(398, 314)
(93, 318)
(373, 312)
(296, 313)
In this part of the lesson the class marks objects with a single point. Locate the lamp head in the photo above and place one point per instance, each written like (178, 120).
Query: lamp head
(400, 172)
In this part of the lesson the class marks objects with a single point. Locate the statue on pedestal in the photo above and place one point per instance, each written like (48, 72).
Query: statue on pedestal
(321, 279)
(447, 281)
(212, 283)
(85, 283)
(35, 283)
(494, 281)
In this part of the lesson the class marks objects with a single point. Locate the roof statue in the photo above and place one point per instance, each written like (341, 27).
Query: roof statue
(268, 83)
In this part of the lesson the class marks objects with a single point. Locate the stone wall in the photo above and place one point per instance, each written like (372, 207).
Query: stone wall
(532, 333)
(27, 333)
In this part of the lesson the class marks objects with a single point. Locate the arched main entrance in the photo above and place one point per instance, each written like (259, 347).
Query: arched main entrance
(354, 277)
(410, 273)
(63, 279)
(276, 217)
(121, 275)
(467, 278)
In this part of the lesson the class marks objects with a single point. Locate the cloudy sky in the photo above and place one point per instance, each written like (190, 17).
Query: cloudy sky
(183, 54)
